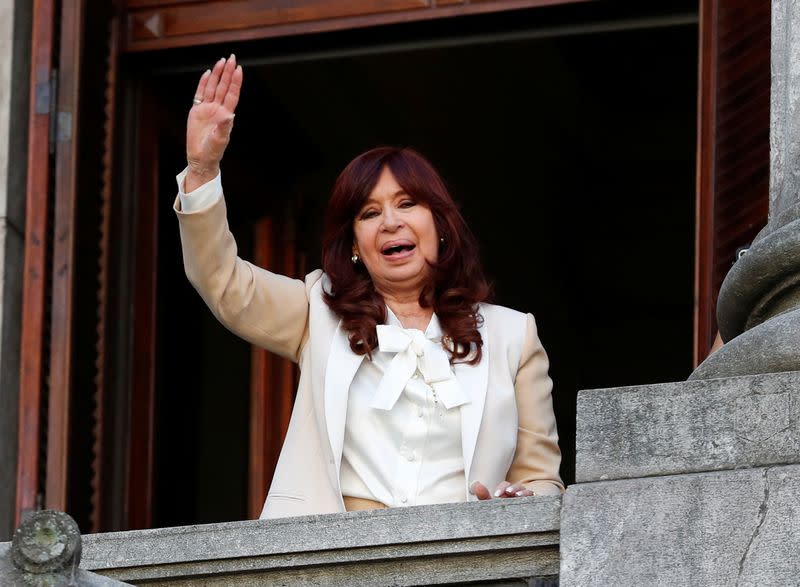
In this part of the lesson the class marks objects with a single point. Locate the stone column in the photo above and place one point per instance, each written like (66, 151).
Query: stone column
(15, 34)
(758, 310)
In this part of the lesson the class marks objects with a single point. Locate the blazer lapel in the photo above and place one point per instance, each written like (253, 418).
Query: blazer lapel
(342, 366)
(474, 380)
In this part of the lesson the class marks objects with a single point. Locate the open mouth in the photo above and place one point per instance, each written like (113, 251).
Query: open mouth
(397, 249)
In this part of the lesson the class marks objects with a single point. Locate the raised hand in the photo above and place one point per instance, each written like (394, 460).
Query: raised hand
(208, 128)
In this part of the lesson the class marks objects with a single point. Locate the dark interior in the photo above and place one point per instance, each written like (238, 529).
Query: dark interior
(568, 137)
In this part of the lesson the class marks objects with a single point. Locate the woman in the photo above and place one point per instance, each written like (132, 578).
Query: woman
(412, 390)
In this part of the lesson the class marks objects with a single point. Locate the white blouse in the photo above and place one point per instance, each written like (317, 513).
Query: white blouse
(402, 440)
(402, 443)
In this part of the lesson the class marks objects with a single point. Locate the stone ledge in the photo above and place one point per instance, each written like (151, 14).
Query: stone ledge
(693, 426)
(441, 544)
(721, 528)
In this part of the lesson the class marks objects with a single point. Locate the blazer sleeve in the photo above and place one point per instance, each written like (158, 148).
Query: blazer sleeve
(537, 457)
(264, 308)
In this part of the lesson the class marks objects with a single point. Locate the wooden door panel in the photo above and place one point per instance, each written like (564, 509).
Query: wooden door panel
(64, 270)
(35, 275)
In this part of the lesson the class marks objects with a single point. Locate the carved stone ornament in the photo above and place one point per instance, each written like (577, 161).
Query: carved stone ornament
(46, 552)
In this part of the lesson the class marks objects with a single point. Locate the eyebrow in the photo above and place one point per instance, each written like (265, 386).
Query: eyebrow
(400, 192)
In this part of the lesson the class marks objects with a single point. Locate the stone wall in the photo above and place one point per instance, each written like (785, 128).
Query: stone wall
(15, 33)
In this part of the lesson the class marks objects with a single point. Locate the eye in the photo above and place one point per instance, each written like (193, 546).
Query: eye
(407, 203)
(367, 214)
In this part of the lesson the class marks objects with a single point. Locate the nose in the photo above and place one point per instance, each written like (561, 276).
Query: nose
(391, 220)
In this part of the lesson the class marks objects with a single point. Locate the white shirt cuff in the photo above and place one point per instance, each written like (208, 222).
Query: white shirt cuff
(203, 197)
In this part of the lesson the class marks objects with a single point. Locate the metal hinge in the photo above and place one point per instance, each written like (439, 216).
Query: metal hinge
(46, 91)
(46, 100)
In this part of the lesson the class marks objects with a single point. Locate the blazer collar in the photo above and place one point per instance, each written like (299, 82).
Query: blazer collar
(474, 380)
(342, 366)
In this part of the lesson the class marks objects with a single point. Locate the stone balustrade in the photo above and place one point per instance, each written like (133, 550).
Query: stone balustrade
(503, 542)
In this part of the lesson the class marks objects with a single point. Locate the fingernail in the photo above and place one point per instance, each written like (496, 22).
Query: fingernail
(510, 489)
(206, 72)
(519, 493)
(232, 56)
(472, 487)
(498, 493)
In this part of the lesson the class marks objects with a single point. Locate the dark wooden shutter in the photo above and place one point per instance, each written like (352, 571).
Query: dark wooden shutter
(733, 146)
(65, 312)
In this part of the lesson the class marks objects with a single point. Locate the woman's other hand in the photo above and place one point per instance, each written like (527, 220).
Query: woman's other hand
(504, 489)
(208, 128)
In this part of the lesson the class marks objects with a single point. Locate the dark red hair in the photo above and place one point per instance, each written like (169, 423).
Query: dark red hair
(456, 283)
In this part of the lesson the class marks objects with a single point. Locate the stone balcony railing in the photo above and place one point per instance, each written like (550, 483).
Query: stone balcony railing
(687, 483)
(498, 542)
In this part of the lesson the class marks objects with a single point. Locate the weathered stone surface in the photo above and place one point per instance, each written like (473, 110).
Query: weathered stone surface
(46, 552)
(723, 528)
(784, 193)
(759, 285)
(48, 541)
(443, 544)
(770, 347)
(688, 427)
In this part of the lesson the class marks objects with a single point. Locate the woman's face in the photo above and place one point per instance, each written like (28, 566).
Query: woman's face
(395, 237)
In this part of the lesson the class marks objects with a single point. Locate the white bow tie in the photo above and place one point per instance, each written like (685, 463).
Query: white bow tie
(414, 351)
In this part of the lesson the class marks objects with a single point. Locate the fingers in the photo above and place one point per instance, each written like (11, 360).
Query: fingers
(503, 490)
(225, 79)
(232, 95)
(222, 84)
(506, 489)
(201, 85)
(479, 490)
(209, 124)
(500, 490)
(213, 80)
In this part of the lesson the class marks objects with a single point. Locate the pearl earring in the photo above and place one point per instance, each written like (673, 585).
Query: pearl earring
(354, 258)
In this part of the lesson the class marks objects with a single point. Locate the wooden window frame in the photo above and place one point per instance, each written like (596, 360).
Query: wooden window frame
(163, 24)
(271, 382)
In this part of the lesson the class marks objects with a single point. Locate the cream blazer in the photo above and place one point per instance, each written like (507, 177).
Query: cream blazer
(508, 427)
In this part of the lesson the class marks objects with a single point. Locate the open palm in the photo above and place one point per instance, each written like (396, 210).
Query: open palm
(208, 128)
